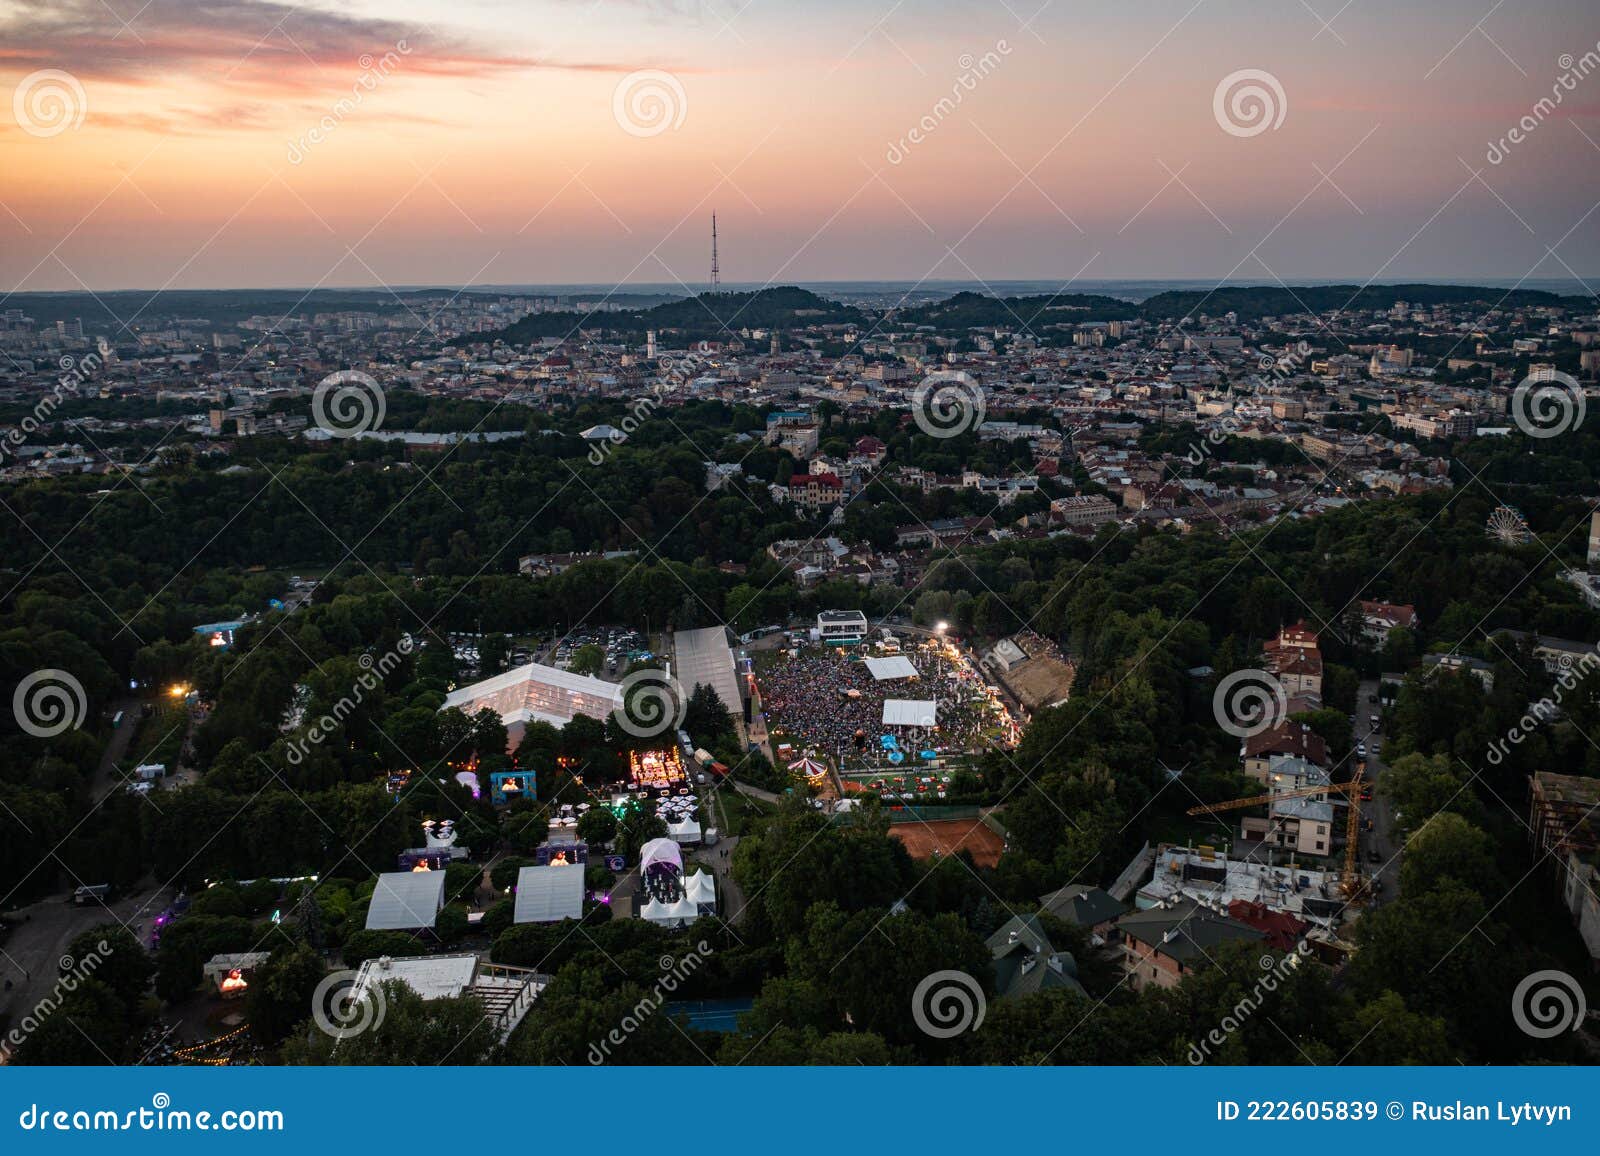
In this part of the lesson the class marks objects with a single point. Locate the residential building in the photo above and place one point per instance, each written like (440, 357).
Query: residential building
(1163, 946)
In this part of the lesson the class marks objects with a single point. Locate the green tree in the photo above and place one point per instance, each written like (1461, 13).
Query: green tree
(91, 1027)
(112, 955)
(280, 992)
(1449, 848)
(411, 1030)
(588, 659)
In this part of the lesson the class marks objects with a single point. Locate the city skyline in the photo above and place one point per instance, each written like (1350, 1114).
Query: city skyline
(255, 145)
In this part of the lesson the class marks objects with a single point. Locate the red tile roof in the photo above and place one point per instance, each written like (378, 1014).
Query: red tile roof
(1288, 738)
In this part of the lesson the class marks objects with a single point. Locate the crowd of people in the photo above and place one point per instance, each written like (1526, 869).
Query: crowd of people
(826, 698)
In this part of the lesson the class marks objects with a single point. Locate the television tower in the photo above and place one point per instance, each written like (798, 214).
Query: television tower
(716, 274)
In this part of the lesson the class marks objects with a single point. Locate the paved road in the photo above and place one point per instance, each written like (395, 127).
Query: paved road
(110, 775)
(30, 956)
(730, 900)
(1383, 838)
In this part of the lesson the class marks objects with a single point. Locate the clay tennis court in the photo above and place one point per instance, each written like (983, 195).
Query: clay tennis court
(947, 836)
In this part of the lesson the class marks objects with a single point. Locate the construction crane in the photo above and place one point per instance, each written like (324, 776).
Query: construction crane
(1351, 881)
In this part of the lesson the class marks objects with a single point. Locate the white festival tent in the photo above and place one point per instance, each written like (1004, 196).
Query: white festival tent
(907, 712)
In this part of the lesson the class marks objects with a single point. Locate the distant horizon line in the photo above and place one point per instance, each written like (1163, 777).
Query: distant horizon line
(677, 289)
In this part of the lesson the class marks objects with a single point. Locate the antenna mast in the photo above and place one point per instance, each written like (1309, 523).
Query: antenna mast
(716, 274)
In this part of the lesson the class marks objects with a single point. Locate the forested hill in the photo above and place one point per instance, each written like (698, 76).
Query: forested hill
(714, 315)
(979, 311)
(708, 316)
(1036, 313)
(1253, 301)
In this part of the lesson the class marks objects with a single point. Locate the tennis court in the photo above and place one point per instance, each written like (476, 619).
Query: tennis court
(947, 836)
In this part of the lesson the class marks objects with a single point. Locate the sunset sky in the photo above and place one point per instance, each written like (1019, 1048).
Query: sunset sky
(499, 148)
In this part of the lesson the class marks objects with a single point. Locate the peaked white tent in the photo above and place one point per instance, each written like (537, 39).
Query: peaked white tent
(701, 890)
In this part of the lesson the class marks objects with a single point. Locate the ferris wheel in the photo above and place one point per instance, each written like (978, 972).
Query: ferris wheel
(1507, 526)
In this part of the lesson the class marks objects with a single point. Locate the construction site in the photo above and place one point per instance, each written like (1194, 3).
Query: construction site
(1564, 818)
(1212, 879)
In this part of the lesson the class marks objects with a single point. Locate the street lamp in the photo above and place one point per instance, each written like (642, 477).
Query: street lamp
(941, 627)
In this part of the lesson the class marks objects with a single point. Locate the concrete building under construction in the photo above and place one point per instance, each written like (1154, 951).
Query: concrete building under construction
(1564, 816)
